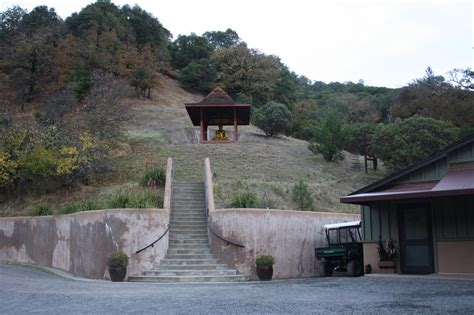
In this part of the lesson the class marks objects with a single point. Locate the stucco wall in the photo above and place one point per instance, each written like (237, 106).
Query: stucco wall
(456, 257)
(289, 236)
(80, 243)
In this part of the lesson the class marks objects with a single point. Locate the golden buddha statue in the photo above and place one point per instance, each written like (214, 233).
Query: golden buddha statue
(221, 135)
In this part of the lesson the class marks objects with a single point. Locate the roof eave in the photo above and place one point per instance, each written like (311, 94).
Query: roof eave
(435, 157)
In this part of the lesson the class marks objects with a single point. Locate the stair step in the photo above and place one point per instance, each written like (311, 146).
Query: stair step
(189, 240)
(190, 224)
(188, 278)
(191, 267)
(168, 272)
(189, 256)
(186, 241)
(187, 231)
(188, 207)
(188, 221)
(194, 251)
(188, 246)
(172, 261)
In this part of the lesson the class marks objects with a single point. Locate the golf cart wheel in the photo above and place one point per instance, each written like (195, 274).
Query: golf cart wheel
(325, 269)
(354, 268)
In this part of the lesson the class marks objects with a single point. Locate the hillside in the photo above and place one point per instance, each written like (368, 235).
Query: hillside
(268, 166)
(160, 127)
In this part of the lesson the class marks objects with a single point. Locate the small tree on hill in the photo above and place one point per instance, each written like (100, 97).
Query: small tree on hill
(303, 197)
(329, 138)
(359, 138)
(272, 118)
(411, 140)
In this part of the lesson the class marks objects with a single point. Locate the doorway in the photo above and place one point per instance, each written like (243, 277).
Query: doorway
(416, 238)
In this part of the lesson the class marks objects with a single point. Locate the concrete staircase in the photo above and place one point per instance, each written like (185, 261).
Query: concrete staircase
(189, 258)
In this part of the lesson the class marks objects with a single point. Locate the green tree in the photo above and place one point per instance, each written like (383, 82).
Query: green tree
(273, 118)
(146, 28)
(303, 197)
(329, 137)
(411, 140)
(244, 70)
(10, 23)
(226, 39)
(188, 48)
(102, 16)
(199, 74)
(359, 138)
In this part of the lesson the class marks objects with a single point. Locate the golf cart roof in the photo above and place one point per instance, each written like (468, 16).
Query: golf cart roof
(342, 225)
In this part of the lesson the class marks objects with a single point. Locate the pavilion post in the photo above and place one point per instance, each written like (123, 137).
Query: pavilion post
(235, 126)
(202, 125)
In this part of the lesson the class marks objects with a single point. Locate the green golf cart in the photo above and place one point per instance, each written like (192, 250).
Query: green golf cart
(344, 250)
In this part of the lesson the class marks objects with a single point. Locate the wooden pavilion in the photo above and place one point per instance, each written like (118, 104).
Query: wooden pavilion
(218, 109)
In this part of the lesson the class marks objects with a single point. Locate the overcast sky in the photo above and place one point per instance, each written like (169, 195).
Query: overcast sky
(383, 42)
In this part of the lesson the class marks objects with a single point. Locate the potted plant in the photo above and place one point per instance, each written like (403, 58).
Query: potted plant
(118, 262)
(387, 255)
(265, 267)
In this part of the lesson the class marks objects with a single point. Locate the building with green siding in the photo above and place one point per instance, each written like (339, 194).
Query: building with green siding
(427, 210)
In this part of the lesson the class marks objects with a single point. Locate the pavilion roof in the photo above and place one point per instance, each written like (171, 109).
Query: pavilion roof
(218, 109)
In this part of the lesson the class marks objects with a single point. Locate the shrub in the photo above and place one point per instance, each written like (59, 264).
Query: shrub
(303, 196)
(244, 200)
(408, 141)
(273, 118)
(118, 259)
(43, 210)
(77, 206)
(329, 138)
(359, 138)
(265, 260)
(126, 198)
(153, 177)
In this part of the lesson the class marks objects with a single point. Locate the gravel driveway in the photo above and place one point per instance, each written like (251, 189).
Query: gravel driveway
(27, 290)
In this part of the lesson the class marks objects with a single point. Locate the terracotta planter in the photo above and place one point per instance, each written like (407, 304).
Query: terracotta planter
(117, 274)
(265, 272)
(387, 266)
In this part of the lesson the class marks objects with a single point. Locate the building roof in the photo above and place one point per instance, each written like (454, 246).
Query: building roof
(218, 109)
(458, 181)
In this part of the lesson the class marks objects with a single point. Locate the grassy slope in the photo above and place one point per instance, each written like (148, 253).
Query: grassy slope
(268, 166)
(160, 128)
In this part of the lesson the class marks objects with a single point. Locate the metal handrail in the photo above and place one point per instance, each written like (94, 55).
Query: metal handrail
(223, 239)
(156, 241)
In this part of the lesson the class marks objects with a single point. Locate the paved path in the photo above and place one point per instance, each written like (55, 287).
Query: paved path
(26, 290)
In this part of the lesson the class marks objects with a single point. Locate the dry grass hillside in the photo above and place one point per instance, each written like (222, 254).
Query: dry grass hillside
(267, 166)
(270, 167)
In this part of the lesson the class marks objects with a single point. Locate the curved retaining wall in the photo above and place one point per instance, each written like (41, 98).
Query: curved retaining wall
(289, 236)
(80, 243)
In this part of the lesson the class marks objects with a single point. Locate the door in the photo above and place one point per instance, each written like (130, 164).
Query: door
(416, 238)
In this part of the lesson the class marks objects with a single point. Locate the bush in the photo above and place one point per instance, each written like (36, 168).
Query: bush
(329, 138)
(77, 206)
(153, 178)
(303, 196)
(43, 210)
(359, 138)
(265, 260)
(126, 198)
(273, 118)
(118, 259)
(411, 140)
(244, 200)
(199, 74)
